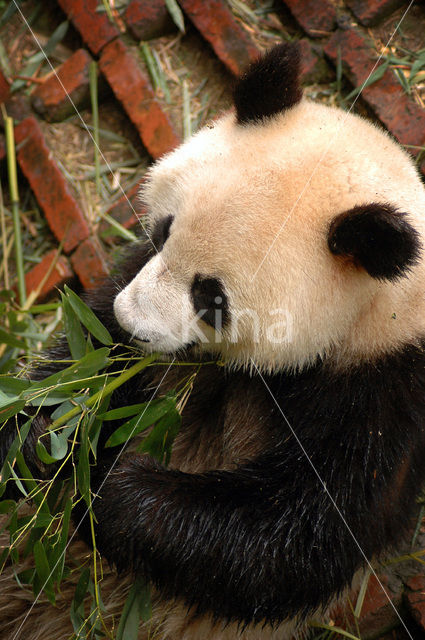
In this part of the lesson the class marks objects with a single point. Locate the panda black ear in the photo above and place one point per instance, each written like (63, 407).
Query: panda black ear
(376, 237)
(269, 85)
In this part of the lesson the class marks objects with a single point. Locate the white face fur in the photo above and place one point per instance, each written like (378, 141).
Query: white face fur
(252, 205)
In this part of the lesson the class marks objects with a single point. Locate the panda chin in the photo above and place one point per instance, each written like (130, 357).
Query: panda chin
(180, 353)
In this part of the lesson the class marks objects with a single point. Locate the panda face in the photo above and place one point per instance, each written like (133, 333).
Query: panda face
(282, 240)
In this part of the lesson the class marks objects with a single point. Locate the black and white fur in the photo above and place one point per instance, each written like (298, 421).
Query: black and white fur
(301, 458)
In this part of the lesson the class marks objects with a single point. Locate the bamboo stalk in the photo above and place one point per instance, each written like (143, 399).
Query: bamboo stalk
(187, 118)
(14, 197)
(95, 112)
(106, 391)
(4, 241)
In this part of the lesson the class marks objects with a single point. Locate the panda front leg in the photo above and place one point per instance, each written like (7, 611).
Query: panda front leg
(133, 391)
(55, 359)
(261, 543)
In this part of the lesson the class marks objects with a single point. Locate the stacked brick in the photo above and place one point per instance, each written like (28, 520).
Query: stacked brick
(401, 115)
(330, 30)
(235, 48)
(68, 89)
(370, 13)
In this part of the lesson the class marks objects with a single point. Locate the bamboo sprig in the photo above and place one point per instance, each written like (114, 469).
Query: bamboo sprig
(104, 392)
(187, 117)
(14, 197)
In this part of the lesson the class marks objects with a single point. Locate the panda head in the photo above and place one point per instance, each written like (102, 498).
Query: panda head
(283, 232)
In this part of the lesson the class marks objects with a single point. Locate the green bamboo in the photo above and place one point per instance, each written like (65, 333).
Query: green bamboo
(14, 197)
(4, 240)
(151, 65)
(122, 231)
(95, 112)
(108, 10)
(106, 391)
(187, 118)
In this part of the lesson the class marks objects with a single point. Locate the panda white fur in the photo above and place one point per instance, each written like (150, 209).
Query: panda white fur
(288, 245)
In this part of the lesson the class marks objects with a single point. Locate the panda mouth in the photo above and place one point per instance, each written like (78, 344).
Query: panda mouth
(183, 349)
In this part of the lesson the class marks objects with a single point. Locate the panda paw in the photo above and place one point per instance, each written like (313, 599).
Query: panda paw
(120, 492)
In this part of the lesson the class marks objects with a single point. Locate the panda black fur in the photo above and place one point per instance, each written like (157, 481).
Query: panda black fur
(300, 460)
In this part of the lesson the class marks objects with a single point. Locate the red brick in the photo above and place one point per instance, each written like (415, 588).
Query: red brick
(376, 598)
(90, 263)
(401, 115)
(379, 609)
(148, 19)
(230, 41)
(316, 17)
(313, 66)
(60, 93)
(132, 88)
(370, 12)
(95, 27)
(18, 107)
(59, 275)
(416, 598)
(62, 212)
(4, 88)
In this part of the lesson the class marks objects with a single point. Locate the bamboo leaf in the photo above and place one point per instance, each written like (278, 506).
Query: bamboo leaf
(84, 368)
(5, 507)
(418, 65)
(151, 65)
(338, 630)
(88, 318)
(58, 446)
(42, 453)
(176, 13)
(149, 415)
(59, 443)
(362, 593)
(49, 400)
(402, 80)
(137, 606)
(83, 467)
(38, 58)
(374, 77)
(81, 588)
(58, 557)
(106, 390)
(131, 410)
(11, 454)
(160, 440)
(11, 409)
(10, 339)
(43, 570)
(31, 484)
(73, 331)
(10, 384)
(9, 11)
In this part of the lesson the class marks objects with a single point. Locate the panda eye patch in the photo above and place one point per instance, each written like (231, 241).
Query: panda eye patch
(210, 301)
(161, 231)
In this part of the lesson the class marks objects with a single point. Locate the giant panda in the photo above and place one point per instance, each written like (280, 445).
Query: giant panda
(285, 249)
